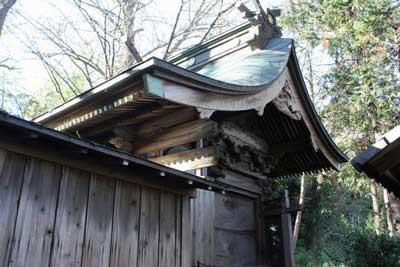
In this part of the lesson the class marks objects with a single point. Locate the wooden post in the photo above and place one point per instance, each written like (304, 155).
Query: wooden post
(389, 217)
(199, 172)
(376, 207)
(299, 213)
(287, 233)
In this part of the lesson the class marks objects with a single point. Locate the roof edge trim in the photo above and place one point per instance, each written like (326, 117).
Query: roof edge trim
(322, 133)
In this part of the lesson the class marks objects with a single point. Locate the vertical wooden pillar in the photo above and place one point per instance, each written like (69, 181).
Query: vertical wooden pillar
(200, 172)
(287, 233)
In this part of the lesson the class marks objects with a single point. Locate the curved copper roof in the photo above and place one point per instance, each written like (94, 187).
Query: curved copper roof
(251, 68)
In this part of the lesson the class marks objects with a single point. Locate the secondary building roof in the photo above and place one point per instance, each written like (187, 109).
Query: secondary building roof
(381, 161)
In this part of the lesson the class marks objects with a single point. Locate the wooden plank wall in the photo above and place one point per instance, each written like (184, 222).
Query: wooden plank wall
(202, 225)
(58, 216)
(224, 229)
(235, 231)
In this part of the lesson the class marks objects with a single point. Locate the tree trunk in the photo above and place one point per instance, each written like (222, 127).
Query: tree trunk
(5, 6)
(299, 213)
(312, 228)
(130, 8)
(395, 206)
(374, 187)
(389, 217)
(375, 203)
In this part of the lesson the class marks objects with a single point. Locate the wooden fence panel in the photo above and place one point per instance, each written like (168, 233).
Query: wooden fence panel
(149, 228)
(11, 176)
(167, 230)
(97, 246)
(178, 231)
(70, 219)
(126, 225)
(36, 215)
(203, 227)
(59, 216)
(186, 241)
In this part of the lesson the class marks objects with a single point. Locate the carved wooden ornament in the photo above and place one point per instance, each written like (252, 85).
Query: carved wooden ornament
(286, 103)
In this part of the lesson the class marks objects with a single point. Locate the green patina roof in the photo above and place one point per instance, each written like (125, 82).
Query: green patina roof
(251, 68)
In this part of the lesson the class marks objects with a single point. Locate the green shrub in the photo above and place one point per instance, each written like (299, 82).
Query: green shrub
(366, 249)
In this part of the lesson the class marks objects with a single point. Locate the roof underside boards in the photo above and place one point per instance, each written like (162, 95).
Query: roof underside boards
(381, 161)
(295, 139)
(225, 74)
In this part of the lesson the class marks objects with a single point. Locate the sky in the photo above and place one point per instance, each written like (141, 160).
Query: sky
(30, 74)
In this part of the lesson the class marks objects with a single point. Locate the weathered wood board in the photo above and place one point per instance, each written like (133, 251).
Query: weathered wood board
(235, 249)
(126, 225)
(11, 175)
(167, 230)
(203, 208)
(224, 230)
(59, 216)
(149, 228)
(97, 247)
(235, 231)
(70, 219)
(186, 234)
(36, 215)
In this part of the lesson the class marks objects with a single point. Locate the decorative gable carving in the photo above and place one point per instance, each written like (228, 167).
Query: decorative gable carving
(286, 103)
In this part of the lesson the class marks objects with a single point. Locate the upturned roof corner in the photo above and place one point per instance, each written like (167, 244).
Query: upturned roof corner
(266, 20)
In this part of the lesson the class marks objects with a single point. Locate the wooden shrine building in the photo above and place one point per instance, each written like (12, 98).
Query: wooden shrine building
(170, 163)
(381, 161)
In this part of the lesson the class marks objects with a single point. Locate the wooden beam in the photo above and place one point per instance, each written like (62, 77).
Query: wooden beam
(156, 125)
(190, 160)
(121, 120)
(178, 135)
(291, 209)
(242, 137)
(179, 116)
(287, 233)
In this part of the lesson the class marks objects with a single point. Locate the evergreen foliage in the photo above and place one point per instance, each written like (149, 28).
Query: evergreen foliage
(360, 99)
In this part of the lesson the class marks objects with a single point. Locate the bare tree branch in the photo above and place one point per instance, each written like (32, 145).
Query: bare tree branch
(215, 21)
(171, 38)
(5, 6)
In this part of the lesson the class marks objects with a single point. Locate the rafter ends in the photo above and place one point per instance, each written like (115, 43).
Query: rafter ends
(66, 124)
(205, 113)
(286, 103)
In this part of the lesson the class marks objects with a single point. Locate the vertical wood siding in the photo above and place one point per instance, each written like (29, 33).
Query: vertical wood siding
(224, 230)
(235, 231)
(59, 216)
(203, 213)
